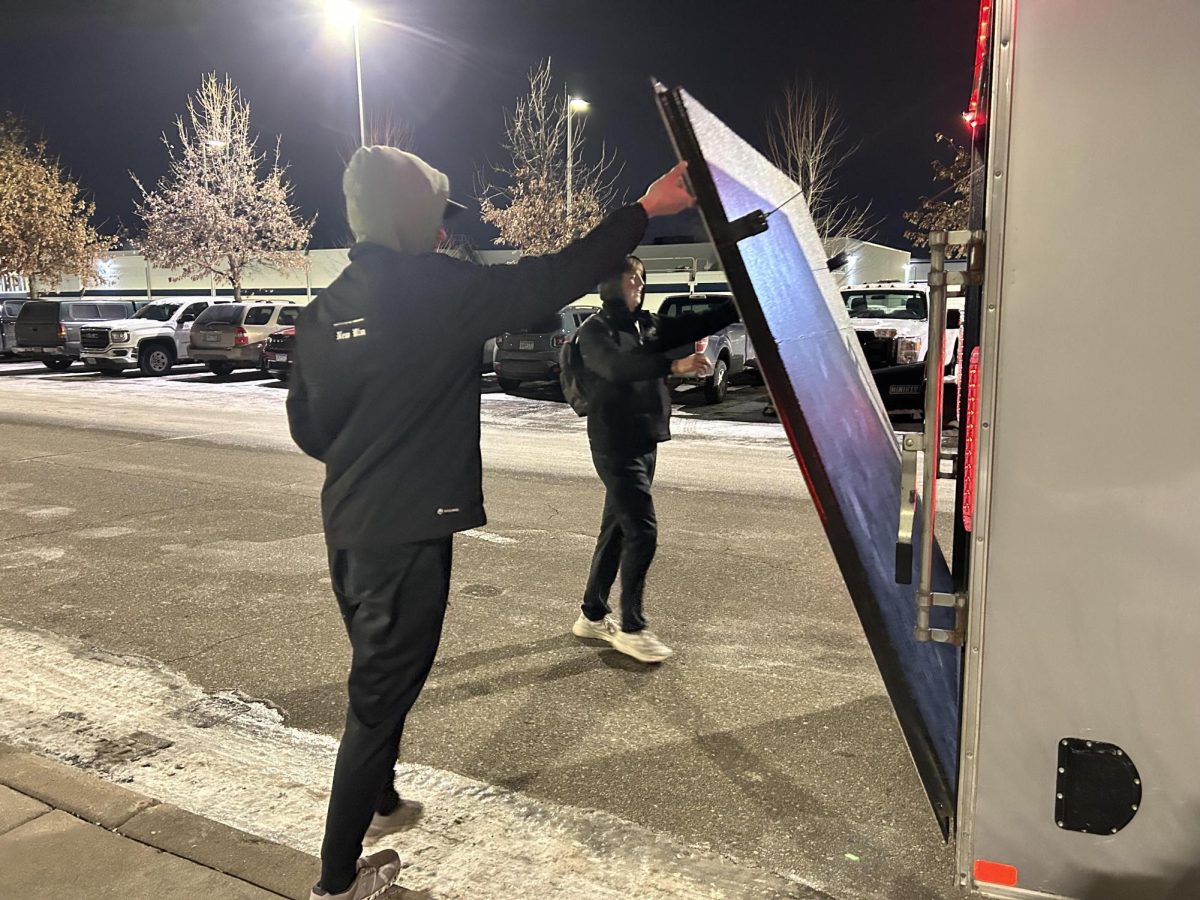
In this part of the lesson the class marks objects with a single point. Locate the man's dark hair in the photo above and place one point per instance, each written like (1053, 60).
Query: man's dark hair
(612, 291)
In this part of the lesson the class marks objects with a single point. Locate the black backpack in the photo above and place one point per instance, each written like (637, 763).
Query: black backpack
(572, 374)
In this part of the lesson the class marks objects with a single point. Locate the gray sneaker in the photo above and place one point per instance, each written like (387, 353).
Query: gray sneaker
(375, 874)
(402, 818)
(596, 631)
(643, 646)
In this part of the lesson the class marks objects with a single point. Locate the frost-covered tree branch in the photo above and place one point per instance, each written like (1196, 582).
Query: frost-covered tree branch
(222, 206)
(524, 197)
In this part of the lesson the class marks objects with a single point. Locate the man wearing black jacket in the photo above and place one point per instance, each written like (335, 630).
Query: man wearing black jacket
(385, 392)
(629, 414)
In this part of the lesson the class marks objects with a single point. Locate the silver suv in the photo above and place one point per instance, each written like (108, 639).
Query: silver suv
(232, 335)
(533, 355)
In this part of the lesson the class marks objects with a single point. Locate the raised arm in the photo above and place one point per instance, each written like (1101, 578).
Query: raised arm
(506, 298)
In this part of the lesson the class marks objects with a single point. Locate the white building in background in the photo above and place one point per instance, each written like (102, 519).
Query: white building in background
(672, 269)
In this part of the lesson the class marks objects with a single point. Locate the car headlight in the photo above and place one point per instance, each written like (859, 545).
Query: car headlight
(118, 337)
(908, 350)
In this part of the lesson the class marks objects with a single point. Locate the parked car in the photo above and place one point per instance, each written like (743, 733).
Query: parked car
(533, 355)
(891, 320)
(154, 338)
(729, 350)
(9, 308)
(233, 335)
(488, 363)
(49, 330)
(277, 352)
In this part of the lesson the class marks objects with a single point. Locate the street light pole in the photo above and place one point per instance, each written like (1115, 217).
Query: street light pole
(570, 156)
(343, 13)
(574, 105)
(362, 128)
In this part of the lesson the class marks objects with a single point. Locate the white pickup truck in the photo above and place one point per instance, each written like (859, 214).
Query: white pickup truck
(154, 339)
(891, 319)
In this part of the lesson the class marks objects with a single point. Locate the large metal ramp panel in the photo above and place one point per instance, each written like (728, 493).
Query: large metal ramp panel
(823, 391)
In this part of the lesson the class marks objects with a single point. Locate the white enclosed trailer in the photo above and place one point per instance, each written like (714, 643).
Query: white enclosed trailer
(1048, 683)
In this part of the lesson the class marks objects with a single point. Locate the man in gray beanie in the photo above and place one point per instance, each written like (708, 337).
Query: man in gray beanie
(399, 437)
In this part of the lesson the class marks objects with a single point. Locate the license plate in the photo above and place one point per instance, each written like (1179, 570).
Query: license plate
(280, 357)
(212, 337)
(526, 345)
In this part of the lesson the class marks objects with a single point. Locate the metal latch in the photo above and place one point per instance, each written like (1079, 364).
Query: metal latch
(917, 518)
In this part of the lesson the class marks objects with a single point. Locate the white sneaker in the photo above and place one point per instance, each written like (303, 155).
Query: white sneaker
(604, 630)
(403, 817)
(642, 645)
(375, 874)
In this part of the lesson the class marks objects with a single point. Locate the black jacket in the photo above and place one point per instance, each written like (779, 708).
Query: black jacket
(385, 385)
(629, 407)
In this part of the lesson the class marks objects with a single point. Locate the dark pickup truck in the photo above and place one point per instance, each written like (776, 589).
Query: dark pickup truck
(48, 330)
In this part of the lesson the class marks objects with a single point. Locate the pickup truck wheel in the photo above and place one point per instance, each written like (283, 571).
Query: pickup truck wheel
(57, 365)
(220, 367)
(155, 360)
(508, 385)
(716, 386)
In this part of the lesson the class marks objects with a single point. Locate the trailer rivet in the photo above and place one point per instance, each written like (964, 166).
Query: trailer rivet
(979, 540)
(986, 424)
(974, 649)
(1060, 824)
(1134, 807)
(992, 307)
(1059, 796)
(1089, 743)
(1062, 771)
(1137, 781)
(1115, 830)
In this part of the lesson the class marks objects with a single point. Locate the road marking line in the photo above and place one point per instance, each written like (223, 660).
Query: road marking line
(487, 536)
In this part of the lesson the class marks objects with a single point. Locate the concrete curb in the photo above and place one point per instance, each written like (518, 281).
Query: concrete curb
(272, 867)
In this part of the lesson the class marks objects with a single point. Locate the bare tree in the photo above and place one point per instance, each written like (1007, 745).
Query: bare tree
(44, 217)
(950, 208)
(216, 212)
(807, 141)
(525, 198)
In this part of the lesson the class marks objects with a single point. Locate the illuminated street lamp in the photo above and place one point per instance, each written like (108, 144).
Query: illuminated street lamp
(574, 105)
(344, 14)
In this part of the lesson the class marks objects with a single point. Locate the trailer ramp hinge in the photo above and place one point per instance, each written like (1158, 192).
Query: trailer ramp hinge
(925, 633)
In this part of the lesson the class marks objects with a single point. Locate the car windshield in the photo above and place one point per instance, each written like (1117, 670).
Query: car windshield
(547, 325)
(674, 307)
(158, 312)
(224, 313)
(886, 304)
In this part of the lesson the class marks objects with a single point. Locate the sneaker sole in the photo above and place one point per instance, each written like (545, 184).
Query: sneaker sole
(581, 631)
(642, 657)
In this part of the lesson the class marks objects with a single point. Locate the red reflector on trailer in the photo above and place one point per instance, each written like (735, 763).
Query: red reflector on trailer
(995, 873)
(972, 440)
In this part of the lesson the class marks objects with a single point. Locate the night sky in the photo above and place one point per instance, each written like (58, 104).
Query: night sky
(101, 81)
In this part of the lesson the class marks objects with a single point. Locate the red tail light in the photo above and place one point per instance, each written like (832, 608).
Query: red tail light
(701, 345)
(559, 339)
(62, 332)
(240, 338)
